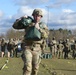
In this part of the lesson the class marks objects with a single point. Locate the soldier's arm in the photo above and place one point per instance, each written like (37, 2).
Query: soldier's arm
(44, 31)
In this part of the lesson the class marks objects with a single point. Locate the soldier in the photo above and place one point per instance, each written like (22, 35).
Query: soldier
(54, 47)
(60, 47)
(33, 49)
(3, 47)
(74, 50)
(10, 47)
(67, 48)
(15, 47)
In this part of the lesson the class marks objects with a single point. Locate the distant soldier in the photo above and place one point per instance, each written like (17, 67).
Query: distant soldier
(33, 48)
(3, 47)
(74, 50)
(15, 47)
(60, 48)
(54, 47)
(10, 47)
(67, 48)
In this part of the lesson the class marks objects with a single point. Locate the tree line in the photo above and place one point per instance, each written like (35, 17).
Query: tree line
(58, 34)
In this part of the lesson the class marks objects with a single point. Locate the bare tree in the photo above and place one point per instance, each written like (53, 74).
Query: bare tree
(11, 33)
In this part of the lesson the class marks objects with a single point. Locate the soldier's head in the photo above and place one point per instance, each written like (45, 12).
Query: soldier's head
(53, 38)
(37, 12)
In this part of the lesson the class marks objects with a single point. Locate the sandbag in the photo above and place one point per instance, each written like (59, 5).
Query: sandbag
(33, 34)
(26, 21)
(22, 23)
(17, 25)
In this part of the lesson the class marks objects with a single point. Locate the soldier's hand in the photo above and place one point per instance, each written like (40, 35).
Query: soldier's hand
(37, 26)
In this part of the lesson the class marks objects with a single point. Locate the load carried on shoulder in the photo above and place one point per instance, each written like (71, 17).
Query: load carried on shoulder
(22, 23)
(31, 32)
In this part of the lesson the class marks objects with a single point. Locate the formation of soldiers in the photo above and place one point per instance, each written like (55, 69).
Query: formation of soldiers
(59, 49)
(10, 47)
(63, 48)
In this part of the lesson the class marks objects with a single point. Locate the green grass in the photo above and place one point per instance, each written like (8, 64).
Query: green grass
(47, 66)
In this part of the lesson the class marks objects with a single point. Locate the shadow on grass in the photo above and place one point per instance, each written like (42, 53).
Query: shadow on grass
(65, 69)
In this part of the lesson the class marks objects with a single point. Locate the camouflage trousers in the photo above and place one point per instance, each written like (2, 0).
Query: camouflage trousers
(32, 59)
(54, 51)
(60, 54)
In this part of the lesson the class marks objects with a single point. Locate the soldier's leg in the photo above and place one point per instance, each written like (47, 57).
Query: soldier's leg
(73, 53)
(8, 53)
(36, 62)
(56, 53)
(52, 51)
(27, 62)
(11, 53)
(65, 55)
(2, 54)
(59, 55)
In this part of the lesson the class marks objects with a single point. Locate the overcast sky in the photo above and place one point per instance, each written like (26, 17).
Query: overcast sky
(57, 13)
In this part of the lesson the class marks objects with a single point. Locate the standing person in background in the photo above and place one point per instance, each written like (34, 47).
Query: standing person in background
(54, 47)
(10, 46)
(32, 49)
(3, 47)
(15, 47)
(67, 48)
(74, 51)
(60, 48)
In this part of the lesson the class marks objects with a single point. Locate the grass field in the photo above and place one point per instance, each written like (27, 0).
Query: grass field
(47, 66)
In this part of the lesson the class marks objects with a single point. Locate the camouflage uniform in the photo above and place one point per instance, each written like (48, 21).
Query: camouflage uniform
(60, 50)
(3, 47)
(74, 49)
(54, 47)
(67, 48)
(10, 47)
(33, 49)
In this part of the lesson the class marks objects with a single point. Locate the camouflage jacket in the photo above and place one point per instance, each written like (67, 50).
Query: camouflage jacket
(44, 33)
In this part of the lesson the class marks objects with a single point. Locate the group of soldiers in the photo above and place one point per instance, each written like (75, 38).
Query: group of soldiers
(63, 48)
(59, 49)
(10, 47)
